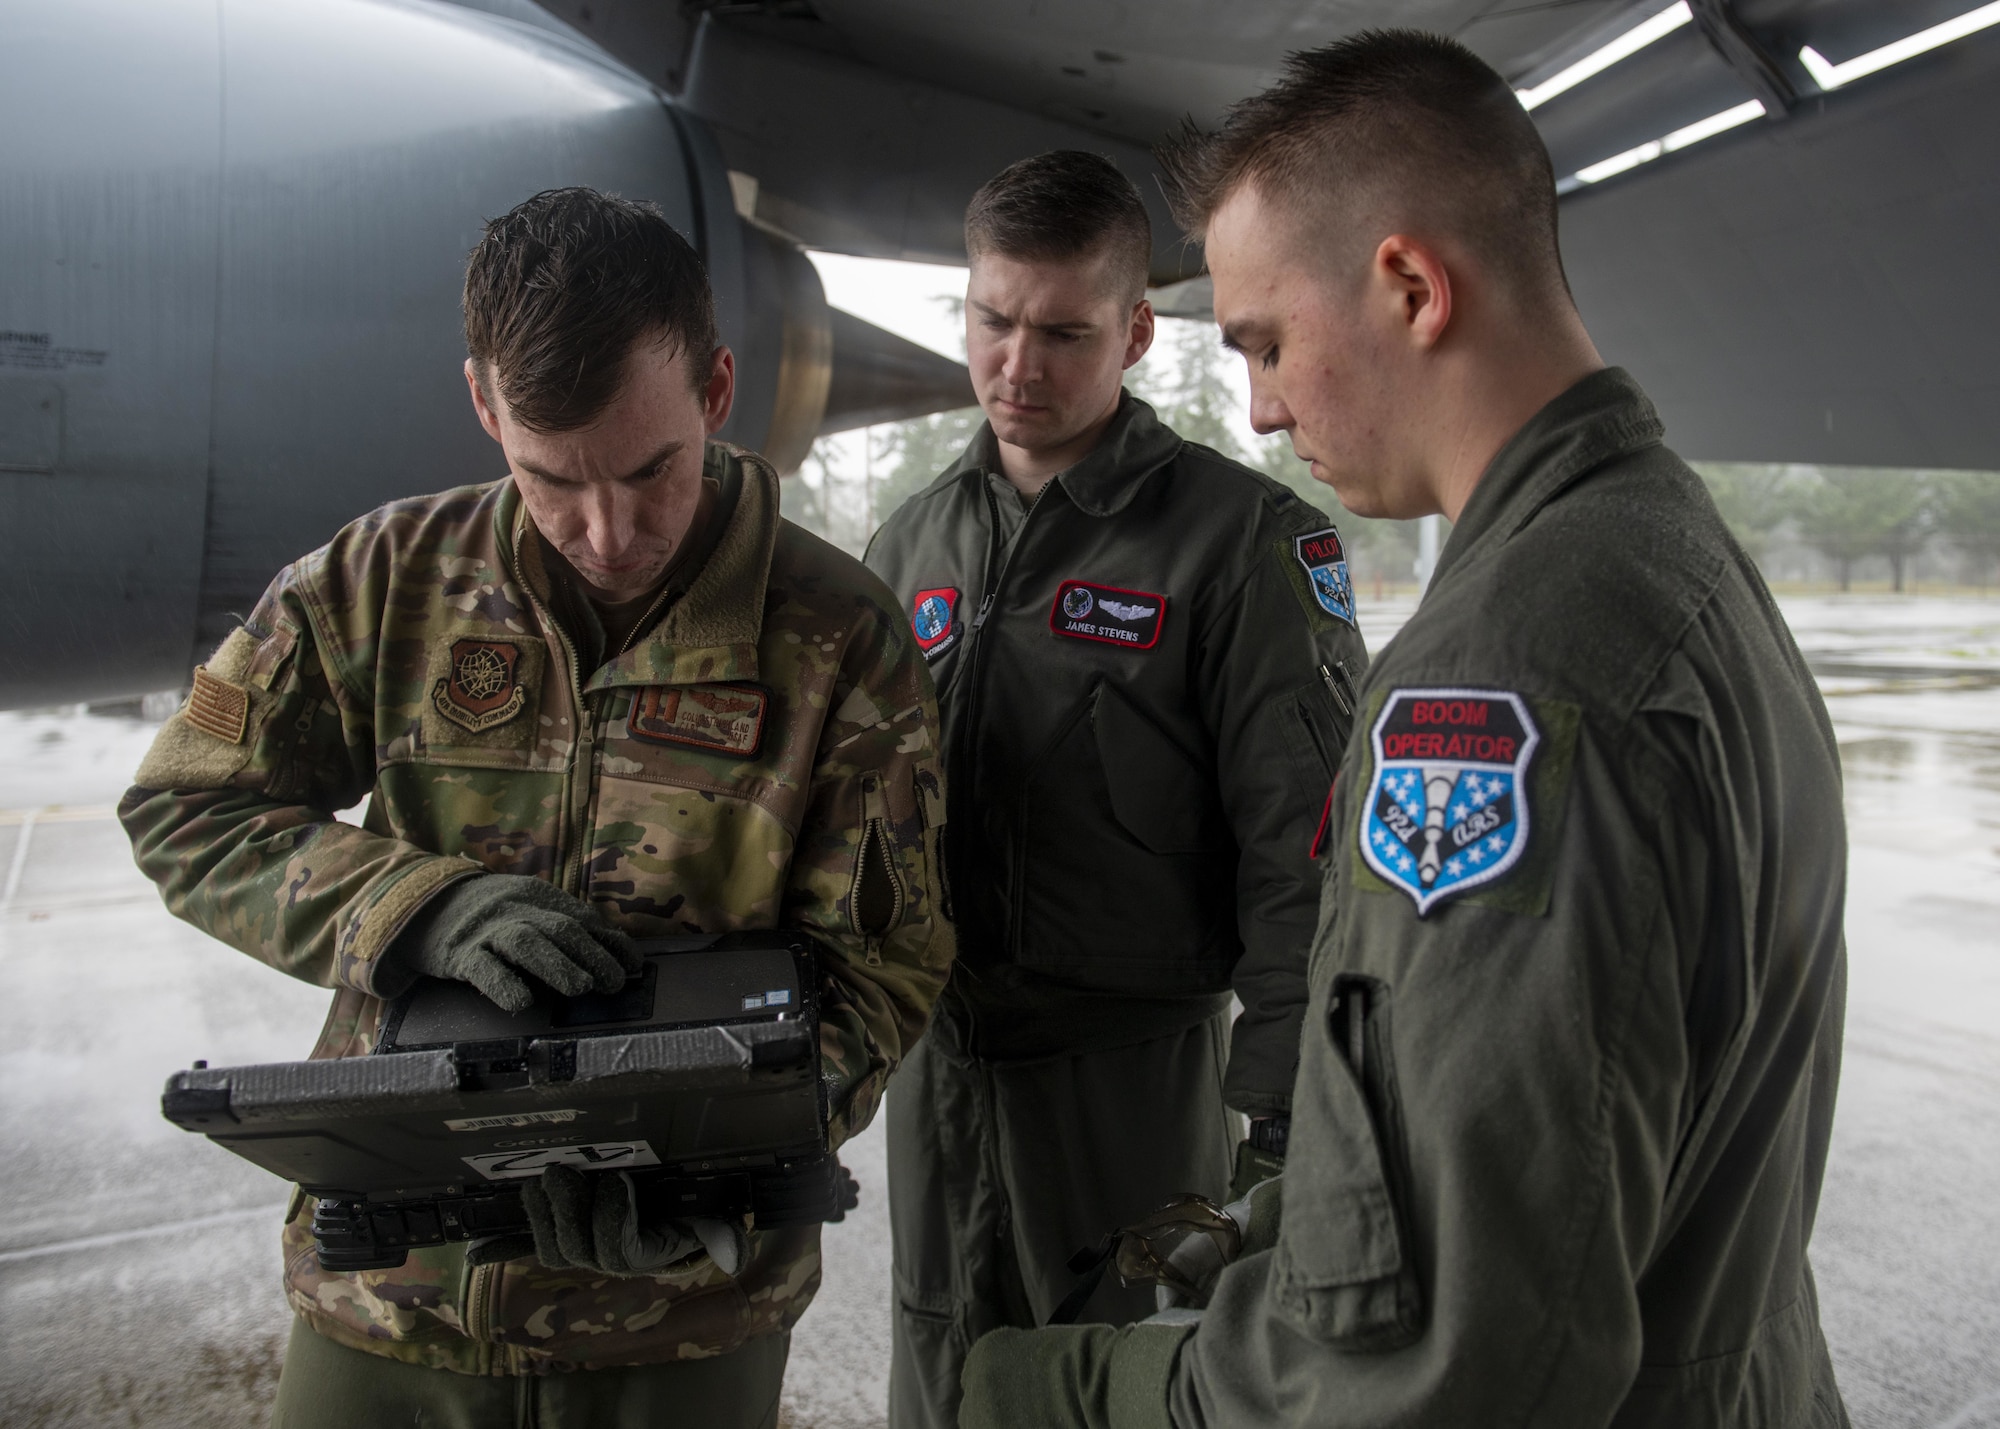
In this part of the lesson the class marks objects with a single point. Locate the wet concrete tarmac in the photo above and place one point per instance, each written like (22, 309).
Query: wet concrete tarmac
(139, 1269)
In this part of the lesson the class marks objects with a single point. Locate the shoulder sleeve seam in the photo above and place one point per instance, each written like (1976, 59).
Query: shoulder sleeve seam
(326, 650)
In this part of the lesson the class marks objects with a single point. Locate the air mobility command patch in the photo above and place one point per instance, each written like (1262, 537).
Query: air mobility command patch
(1448, 809)
(484, 687)
(1324, 559)
(727, 719)
(1085, 610)
(934, 620)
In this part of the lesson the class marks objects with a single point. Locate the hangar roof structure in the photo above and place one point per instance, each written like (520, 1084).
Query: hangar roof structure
(1779, 213)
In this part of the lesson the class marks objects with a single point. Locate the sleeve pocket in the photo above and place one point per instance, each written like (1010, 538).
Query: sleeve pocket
(1344, 1272)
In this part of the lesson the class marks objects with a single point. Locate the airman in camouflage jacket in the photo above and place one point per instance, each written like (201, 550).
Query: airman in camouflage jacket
(765, 756)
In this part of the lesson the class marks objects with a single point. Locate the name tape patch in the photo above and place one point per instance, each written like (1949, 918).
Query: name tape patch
(1325, 562)
(484, 687)
(727, 719)
(934, 620)
(1086, 610)
(1448, 808)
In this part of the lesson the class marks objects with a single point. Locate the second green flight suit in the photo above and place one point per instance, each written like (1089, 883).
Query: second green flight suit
(1567, 1077)
(1146, 679)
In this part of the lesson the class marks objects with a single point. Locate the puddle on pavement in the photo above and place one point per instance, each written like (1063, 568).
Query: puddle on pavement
(1882, 756)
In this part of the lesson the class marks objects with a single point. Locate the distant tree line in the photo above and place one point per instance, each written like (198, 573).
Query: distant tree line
(1850, 514)
(1798, 522)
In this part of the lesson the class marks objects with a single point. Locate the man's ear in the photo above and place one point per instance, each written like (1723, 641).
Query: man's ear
(720, 394)
(1140, 339)
(1412, 277)
(484, 409)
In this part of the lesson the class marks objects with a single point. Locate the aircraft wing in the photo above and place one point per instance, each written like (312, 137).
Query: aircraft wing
(1812, 283)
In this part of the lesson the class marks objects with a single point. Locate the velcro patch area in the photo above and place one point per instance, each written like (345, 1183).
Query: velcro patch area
(1085, 610)
(484, 688)
(728, 719)
(217, 707)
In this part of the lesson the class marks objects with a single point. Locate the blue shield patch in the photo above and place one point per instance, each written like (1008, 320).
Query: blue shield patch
(1325, 560)
(1448, 809)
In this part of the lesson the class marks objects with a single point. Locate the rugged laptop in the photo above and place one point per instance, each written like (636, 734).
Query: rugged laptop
(701, 1077)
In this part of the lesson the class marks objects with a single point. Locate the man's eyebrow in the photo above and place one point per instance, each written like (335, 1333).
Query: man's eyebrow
(1038, 327)
(646, 468)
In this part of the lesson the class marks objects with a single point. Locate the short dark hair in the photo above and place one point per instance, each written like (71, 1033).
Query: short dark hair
(1408, 120)
(561, 290)
(1061, 205)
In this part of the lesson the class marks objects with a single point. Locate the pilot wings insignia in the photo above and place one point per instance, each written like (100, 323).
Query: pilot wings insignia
(1126, 612)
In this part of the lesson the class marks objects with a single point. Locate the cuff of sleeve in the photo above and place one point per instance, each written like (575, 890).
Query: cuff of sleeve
(1254, 1104)
(1142, 1373)
(853, 1115)
(368, 935)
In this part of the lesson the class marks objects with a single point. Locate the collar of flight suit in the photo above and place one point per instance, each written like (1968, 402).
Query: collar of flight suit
(711, 633)
(1135, 446)
(1601, 417)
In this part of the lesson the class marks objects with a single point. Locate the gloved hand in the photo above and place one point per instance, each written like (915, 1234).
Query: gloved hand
(1071, 1377)
(480, 930)
(592, 1223)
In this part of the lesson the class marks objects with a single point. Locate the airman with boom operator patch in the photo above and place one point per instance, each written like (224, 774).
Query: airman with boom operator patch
(611, 694)
(1568, 1070)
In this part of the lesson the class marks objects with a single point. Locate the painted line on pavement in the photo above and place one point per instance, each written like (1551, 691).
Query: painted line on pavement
(93, 1242)
(58, 814)
(20, 862)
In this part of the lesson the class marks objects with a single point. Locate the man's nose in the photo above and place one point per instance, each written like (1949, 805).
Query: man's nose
(607, 523)
(1020, 363)
(1268, 412)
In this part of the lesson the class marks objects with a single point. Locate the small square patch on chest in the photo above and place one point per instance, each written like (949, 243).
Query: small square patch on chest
(728, 719)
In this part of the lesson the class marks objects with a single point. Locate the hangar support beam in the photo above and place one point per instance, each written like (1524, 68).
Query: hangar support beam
(1745, 53)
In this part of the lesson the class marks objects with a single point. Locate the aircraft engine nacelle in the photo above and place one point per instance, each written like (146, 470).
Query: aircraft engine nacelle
(232, 238)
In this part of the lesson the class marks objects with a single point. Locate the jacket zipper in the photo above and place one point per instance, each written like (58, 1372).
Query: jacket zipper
(875, 843)
(569, 866)
(974, 666)
(476, 1309)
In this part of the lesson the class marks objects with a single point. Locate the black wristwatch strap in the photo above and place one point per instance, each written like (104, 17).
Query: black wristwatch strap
(1270, 1133)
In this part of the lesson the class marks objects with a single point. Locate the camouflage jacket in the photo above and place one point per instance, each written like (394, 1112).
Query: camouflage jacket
(766, 755)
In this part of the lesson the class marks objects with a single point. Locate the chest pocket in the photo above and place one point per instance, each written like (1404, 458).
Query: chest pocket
(684, 834)
(1344, 1269)
(1156, 791)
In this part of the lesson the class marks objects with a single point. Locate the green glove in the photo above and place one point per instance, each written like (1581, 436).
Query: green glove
(486, 930)
(1072, 1377)
(592, 1223)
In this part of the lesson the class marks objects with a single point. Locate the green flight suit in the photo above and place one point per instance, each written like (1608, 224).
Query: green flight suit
(1562, 1112)
(1146, 678)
